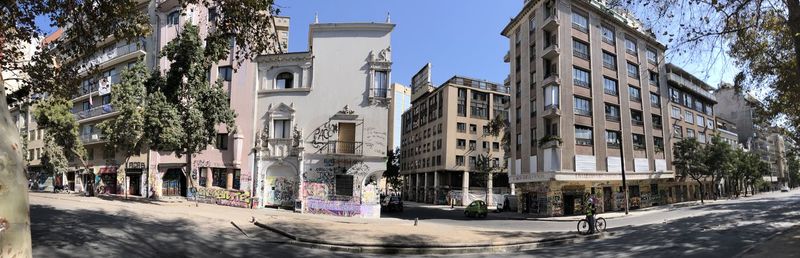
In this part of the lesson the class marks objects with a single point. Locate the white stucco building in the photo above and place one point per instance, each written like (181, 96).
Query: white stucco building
(321, 121)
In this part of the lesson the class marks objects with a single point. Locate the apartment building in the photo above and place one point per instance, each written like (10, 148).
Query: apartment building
(221, 174)
(444, 134)
(322, 119)
(401, 101)
(590, 89)
(727, 131)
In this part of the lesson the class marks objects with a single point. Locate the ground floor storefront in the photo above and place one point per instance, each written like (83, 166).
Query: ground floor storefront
(454, 187)
(565, 198)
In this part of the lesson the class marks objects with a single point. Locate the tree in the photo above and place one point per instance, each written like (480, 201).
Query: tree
(53, 160)
(718, 154)
(54, 114)
(186, 93)
(793, 164)
(689, 158)
(762, 37)
(485, 163)
(124, 133)
(392, 174)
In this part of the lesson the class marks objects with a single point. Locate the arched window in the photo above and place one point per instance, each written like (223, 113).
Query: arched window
(173, 18)
(284, 80)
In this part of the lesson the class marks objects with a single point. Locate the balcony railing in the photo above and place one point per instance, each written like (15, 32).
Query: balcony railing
(613, 145)
(91, 138)
(93, 112)
(583, 112)
(637, 122)
(344, 147)
(610, 66)
(581, 55)
(612, 118)
(119, 51)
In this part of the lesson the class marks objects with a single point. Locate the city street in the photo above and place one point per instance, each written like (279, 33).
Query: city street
(68, 226)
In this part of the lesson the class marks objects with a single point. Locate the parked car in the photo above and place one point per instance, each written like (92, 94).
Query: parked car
(392, 203)
(476, 209)
(784, 189)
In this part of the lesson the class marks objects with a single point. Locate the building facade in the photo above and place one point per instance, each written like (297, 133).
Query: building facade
(445, 133)
(221, 174)
(321, 119)
(590, 100)
(401, 101)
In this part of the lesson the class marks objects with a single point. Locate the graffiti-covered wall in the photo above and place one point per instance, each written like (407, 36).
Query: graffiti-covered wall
(321, 177)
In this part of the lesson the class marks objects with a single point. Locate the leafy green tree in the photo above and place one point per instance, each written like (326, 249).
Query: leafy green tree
(53, 160)
(186, 93)
(719, 155)
(485, 163)
(793, 165)
(689, 159)
(125, 132)
(392, 173)
(54, 114)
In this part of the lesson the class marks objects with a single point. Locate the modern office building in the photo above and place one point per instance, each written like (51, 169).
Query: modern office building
(445, 133)
(322, 121)
(590, 93)
(401, 101)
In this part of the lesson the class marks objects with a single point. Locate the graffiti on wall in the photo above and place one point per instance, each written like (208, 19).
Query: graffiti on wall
(316, 190)
(556, 203)
(332, 207)
(281, 192)
(321, 135)
(375, 140)
(225, 197)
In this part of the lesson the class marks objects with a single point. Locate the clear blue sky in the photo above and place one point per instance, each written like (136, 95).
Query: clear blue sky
(456, 37)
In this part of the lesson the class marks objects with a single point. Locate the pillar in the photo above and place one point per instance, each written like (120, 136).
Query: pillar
(513, 189)
(229, 179)
(489, 194)
(425, 191)
(465, 188)
(416, 187)
(209, 177)
(435, 188)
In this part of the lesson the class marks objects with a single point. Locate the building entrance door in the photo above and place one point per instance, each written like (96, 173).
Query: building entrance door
(608, 199)
(173, 183)
(347, 138)
(569, 204)
(134, 182)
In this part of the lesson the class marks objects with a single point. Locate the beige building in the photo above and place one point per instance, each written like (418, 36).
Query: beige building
(444, 133)
(589, 91)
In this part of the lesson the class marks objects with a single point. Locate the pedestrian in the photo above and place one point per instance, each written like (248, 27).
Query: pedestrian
(590, 211)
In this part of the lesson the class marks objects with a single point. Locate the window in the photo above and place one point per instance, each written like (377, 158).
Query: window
(462, 102)
(613, 139)
(700, 121)
(657, 121)
(674, 95)
(461, 143)
(581, 77)
(630, 46)
(479, 105)
(580, 49)
(677, 130)
(532, 24)
(633, 71)
(610, 86)
(637, 117)
(219, 177)
(495, 145)
(583, 135)
(580, 22)
(608, 34)
(282, 129)
(222, 141)
(461, 127)
(612, 112)
(516, 114)
(708, 109)
(237, 178)
(381, 83)
(583, 106)
(676, 112)
(689, 133)
(638, 141)
(551, 97)
(658, 142)
(472, 144)
(459, 160)
(636, 93)
(653, 78)
(225, 73)
(473, 129)
(533, 137)
(688, 117)
(701, 137)
(212, 14)
(473, 161)
(344, 185)
(533, 108)
(655, 100)
(85, 105)
(485, 145)
(652, 57)
(284, 81)
(107, 154)
(174, 18)
(710, 123)
(106, 99)
(609, 61)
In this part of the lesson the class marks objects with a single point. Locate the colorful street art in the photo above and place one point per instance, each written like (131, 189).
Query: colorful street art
(225, 197)
(339, 208)
(316, 190)
(556, 203)
(281, 191)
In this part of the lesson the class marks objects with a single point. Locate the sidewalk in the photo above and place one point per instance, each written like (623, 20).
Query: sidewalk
(785, 244)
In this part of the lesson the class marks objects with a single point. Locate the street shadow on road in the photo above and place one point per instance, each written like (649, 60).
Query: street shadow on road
(721, 230)
(130, 200)
(97, 233)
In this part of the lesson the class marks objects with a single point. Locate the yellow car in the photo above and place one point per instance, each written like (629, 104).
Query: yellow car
(476, 209)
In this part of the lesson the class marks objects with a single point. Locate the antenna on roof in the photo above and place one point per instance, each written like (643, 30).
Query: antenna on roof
(388, 17)
(316, 17)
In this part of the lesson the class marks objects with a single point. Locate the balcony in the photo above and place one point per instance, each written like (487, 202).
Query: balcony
(380, 95)
(507, 58)
(344, 148)
(637, 122)
(551, 111)
(281, 147)
(93, 112)
(551, 79)
(551, 51)
(551, 22)
(113, 56)
(87, 139)
(612, 118)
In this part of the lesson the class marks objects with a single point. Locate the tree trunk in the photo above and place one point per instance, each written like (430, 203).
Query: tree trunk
(15, 231)
(701, 190)
(794, 27)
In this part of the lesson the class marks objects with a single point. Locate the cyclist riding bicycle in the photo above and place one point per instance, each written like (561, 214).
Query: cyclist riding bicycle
(590, 211)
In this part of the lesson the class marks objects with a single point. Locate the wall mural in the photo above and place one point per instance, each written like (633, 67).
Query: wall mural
(319, 187)
(556, 203)
(281, 192)
(225, 197)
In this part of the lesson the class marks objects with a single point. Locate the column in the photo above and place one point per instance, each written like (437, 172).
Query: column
(416, 187)
(435, 188)
(513, 189)
(425, 191)
(209, 177)
(229, 178)
(489, 194)
(465, 189)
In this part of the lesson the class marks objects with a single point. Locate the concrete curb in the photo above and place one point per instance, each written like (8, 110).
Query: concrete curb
(431, 248)
(763, 240)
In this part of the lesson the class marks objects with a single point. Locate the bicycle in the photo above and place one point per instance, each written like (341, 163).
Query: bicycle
(599, 225)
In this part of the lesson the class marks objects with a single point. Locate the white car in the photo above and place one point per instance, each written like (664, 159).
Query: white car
(785, 189)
